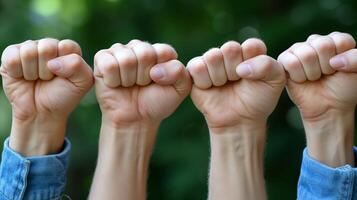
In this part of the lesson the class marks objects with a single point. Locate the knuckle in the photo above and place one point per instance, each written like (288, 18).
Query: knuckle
(108, 67)
(348, 40)
(196, 66)
(165, 50)
(116, 45)
(213, 54)
(99, 54)
(69, 46)
(128, 61)
(231, 48)
(28, 51)
(289, 63)
(313, 37)
(10, 56)
(343, 41)
(145, 54)
(306, 53)
(255, 42)
(11, 62)
(323, 44)
(47, 47)
(295, 46)
(135, 40)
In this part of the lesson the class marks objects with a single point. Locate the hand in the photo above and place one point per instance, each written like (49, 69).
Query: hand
(236, 114)
(44, 80)
(253, 89)
(137, 86)
(314, 85)
(125, 91)
(322, 84)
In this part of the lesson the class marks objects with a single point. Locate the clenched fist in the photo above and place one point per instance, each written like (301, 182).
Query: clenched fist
(314, 85)
(236, 87)
(137, 86)
(44, 80)
(323, 85)
(236, 84)
(139, 82)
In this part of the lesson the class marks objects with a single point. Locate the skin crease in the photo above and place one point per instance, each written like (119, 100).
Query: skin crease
(327, 102)
(43, 97)
(236, 105)
(133, 102)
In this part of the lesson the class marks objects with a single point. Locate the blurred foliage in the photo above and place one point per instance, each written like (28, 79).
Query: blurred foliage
(179, 165)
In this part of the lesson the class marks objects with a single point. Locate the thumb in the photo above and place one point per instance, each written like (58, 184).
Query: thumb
(346, 62)
(172, 73)
(74, 68)
(262, 68)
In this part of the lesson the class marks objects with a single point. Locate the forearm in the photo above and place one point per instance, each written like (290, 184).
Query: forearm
(123, 160)
(330, 138)
(236, 170)
(37, 136)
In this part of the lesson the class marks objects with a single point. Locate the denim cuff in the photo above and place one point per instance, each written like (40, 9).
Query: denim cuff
(35, 177)
(319, 181)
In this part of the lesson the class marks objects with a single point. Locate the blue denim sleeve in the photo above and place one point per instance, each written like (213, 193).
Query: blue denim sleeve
(33, 178)
(320, 182)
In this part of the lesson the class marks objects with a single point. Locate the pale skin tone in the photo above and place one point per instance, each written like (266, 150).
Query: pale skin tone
(137, 86)
(322, 83)
(236, 87)
(44, 81)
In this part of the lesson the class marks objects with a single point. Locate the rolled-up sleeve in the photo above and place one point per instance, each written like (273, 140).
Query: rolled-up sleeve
(33, 178)
(320, 182)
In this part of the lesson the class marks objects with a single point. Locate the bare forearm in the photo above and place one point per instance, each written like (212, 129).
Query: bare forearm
(330, 138)
(236, 170)
(37, 136)
(123, 160)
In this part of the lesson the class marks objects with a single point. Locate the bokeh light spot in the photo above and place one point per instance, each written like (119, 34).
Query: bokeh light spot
(248, 32)
(46, 7)
(294, 119)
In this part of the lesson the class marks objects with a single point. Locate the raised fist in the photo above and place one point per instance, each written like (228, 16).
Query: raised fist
(322, 74)
(139, 82)
(44, 80)
(236, 84)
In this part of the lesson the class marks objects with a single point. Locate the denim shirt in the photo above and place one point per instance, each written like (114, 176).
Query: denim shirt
(33, 178)
(320, 182)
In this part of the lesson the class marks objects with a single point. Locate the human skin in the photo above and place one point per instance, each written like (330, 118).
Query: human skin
(44, 81)
(137, 86)
(323, 85)
(236, 87)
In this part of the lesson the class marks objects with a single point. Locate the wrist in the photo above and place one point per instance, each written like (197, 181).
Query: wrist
(123, 160)
(246, 140)
(247, 127)
(37, 136)
(330, 137)
(237, 159)
(138, 137)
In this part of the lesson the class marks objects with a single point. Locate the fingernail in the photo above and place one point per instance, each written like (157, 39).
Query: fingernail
(338, 62)
(244, 69)
(158, 72)
(54, 65)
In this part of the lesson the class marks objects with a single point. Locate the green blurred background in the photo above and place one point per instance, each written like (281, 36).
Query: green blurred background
(179, 165)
